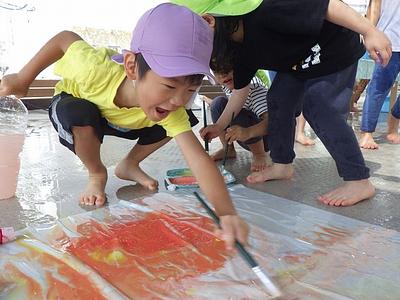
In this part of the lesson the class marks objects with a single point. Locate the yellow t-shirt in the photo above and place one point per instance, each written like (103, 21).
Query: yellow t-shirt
(90, 74)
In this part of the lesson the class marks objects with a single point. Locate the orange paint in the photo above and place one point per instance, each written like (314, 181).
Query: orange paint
(151, 254)
(11, 275)
(73, 285)
(186, 180)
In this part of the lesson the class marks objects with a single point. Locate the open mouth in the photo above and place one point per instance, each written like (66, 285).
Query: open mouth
(228, 81)
(163, 113)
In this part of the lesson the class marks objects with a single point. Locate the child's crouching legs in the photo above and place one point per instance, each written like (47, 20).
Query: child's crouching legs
(128, 168)
(87, 148)
(259, 159)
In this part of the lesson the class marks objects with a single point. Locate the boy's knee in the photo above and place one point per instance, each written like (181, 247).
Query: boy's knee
(217, 107)
(83, 131)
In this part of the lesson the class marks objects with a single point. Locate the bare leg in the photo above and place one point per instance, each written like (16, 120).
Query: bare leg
(367, 141)
(348, 194)
(219, 154)
(128, 168)
(87, 148)
(301, 138)
(273, 172)
(358, 89)
(259, 161)
(393, 130)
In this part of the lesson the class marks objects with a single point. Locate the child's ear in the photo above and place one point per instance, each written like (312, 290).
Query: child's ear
(209, 19)
(130, 65)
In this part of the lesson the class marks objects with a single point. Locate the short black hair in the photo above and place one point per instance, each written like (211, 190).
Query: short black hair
(224, 49)
(143, 67)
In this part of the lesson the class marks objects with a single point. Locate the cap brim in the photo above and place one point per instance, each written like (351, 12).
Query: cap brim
(118, 58)
(220, 8)
(234, 8)
(167, 66)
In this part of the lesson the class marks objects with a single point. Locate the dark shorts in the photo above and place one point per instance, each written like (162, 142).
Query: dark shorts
(66, 111)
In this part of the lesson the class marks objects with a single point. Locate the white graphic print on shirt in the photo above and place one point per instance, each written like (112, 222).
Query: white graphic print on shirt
(313, 58)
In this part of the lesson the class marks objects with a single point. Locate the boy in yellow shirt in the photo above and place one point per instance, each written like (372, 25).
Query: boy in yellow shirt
(141, 98)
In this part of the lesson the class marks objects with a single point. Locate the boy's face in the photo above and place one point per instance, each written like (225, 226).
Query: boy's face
(158, 96)
(225, 79)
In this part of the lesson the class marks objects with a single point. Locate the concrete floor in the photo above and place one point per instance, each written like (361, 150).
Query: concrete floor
(51, 177)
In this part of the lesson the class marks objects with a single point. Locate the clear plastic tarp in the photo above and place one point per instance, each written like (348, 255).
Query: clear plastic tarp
(163, 247)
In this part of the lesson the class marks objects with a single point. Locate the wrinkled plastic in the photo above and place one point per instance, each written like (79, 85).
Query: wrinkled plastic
(163, 247)
(13, 115)
(13, 122)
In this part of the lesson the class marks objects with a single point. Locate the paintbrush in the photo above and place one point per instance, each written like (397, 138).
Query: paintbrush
(205, 125)
(226, 144)
(255, 267)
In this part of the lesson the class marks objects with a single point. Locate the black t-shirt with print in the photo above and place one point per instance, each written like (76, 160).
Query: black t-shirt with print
(293, 36)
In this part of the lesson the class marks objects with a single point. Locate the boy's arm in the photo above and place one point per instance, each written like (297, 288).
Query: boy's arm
(237, 133)
(376, 42)
(234, 105)
(213, 186)
(18, 83)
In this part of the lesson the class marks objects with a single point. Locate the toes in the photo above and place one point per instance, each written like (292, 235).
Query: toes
(250, 179)
(100, 201)
(254, 178)
(153, 186)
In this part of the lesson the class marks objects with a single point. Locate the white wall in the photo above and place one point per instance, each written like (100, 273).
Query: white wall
(25, 31)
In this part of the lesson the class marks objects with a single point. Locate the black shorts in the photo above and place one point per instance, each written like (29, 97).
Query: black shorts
(66, 111)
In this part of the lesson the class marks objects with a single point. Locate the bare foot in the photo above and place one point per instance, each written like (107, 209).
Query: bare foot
(348, 194)
(219, 155)
(94, 193)
(304, 140)
(259, 162)
(393, 138)
(275, 171)
(367, 141)
(130, 170)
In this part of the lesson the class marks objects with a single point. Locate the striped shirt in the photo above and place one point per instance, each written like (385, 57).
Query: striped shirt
(257, 99)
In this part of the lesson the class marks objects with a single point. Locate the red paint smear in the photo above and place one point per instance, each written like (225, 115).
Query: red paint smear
(73, 286)
(186, 180)
(150, 255)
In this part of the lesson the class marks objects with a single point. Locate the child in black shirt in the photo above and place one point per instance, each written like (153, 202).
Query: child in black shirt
(314, 46)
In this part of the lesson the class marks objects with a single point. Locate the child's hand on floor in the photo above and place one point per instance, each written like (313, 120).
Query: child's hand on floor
(236, 133)
(233, 228)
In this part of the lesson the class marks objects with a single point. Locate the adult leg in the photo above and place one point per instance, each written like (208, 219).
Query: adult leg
(284, 103)
(326, 108)
(378, 89)
(78, 123)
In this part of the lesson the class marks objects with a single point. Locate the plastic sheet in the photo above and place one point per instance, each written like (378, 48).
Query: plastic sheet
(161, 248)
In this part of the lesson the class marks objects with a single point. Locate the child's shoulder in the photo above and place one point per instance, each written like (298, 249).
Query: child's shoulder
(84, 48)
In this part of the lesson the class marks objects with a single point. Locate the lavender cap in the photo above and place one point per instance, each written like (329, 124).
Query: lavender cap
(174, 41)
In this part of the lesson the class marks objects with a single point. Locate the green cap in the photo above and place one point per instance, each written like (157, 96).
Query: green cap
(220, 7)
